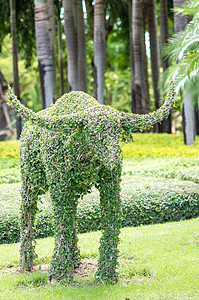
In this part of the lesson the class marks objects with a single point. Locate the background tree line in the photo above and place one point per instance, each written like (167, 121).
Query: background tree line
(104, 46)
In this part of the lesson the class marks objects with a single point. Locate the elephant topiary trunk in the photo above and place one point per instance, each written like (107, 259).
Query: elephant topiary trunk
(67, 148)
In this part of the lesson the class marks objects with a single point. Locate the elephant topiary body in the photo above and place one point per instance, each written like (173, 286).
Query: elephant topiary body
(67, 148)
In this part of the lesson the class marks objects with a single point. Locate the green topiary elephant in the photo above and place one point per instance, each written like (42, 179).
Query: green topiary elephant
(67, 148)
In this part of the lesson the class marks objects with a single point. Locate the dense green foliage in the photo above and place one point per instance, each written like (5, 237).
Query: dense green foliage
(183, 48)
(24, 26)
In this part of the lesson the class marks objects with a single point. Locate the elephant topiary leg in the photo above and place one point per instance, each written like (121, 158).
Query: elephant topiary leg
(109, 188)
(66, 254)
(28, 212)
(33, 182)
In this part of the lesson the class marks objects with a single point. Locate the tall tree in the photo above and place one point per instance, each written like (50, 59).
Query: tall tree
(139, 55)
(154, 49)
(15, 61)
(146, 75)
(71, 44)
(60, 48)
(133, 101)
(51, 14)
(75, 44)
(99, 50)
(82, 59)
(188, 112)
(155, 52)
(44, 51)
(164, 36)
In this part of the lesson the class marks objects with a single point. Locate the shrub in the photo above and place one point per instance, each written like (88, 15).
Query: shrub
(144, 201)
(9, 149)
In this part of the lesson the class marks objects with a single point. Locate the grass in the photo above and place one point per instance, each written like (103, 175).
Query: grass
(159, 145)
(157, 262)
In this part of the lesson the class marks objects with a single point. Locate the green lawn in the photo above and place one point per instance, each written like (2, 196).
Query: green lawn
(156, 262)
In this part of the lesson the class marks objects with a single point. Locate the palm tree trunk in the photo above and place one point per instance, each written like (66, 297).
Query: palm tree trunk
(154, 49)
(155, 53)
(44, 51)
(164, 30)
(197, 119)
(146, 76)
(71, 44)
(179, 21)
(99, 50)
(82, 59)
(188, 120)
(167, 124)
(61, 59)
(139, 60)
(15, 62)
(133, 101)
(188, 111)
(51, 13)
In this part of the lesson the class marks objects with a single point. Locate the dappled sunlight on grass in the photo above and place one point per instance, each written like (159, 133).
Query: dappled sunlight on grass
(156, 262)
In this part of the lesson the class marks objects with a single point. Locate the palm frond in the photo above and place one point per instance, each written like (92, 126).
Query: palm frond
(183, 52)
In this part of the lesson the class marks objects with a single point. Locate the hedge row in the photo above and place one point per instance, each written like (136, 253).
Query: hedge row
(140, 209)
(182, 168)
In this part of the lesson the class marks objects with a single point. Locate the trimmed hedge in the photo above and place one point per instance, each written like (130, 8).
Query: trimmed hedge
(144, 201)
(181, 168)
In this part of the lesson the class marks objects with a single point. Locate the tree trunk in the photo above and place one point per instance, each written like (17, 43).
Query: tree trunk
(133, 100)
(164, 30)
(154, 49)
(139, 55)
(167, 124)
(197, 119)
(146, 76)
(179, 21)
(71, 44)
(82, 59)
(15, 62)
(188, 111)
(188, 120)
(44, 51)
(61, 60)
(99, 50)
(51, 13)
